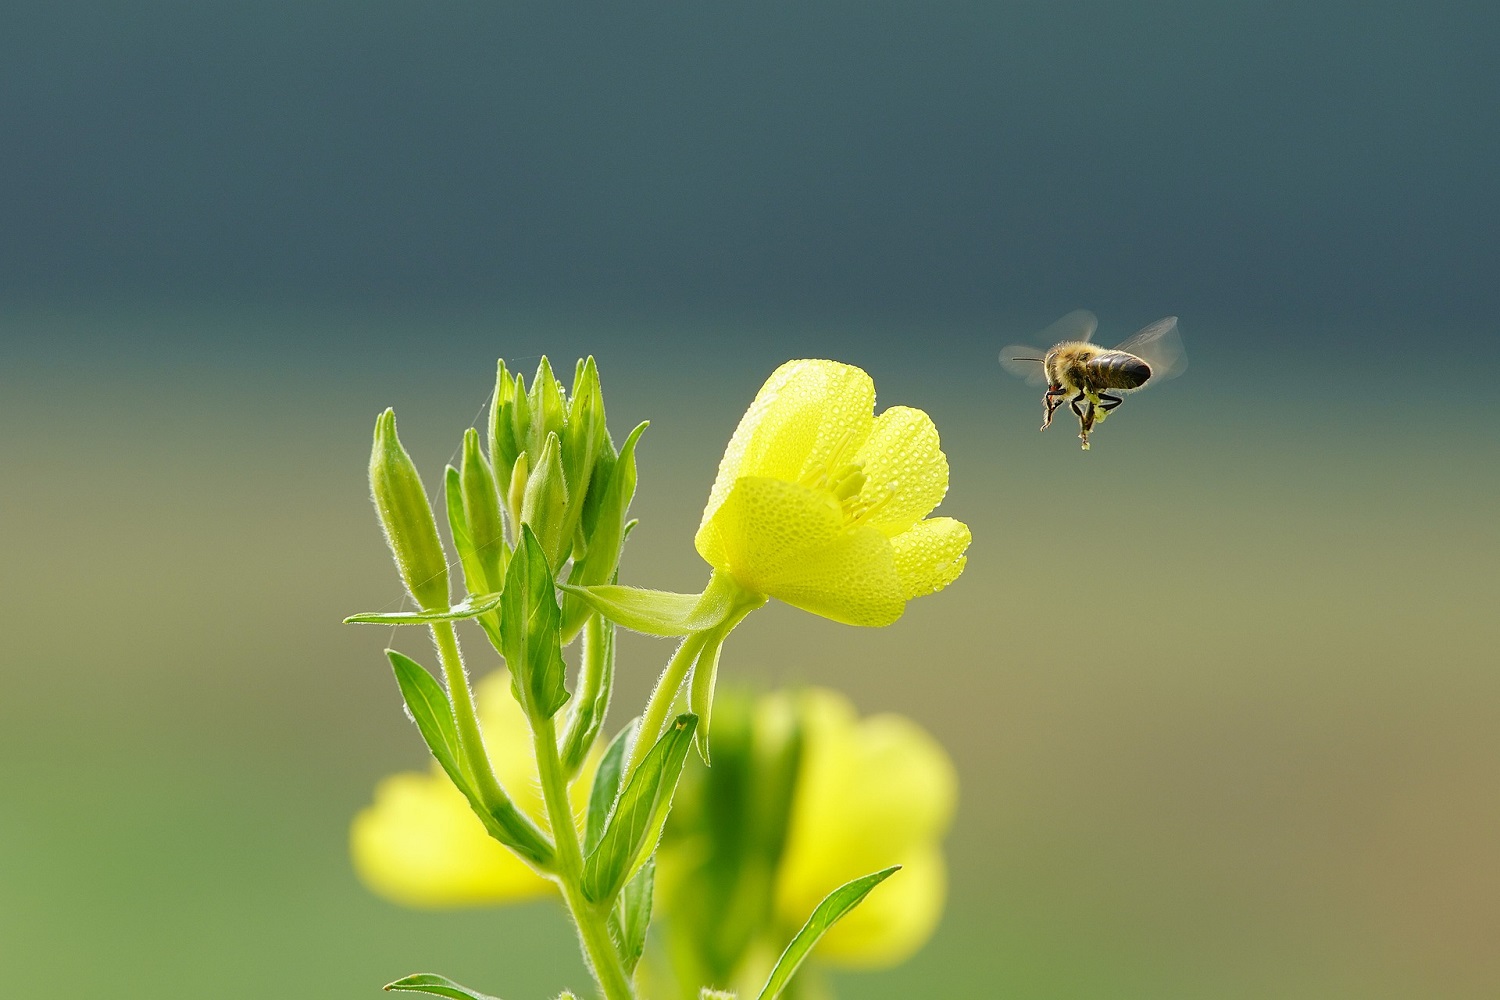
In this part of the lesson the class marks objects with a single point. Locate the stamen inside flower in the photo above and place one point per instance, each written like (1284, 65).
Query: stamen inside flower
(846, 481)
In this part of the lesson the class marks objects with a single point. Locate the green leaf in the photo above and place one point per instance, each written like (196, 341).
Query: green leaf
(469, 607)
(438, 986)
(706, 671)
(431, 711)
(837, 903)
(607, 785)
(634, 910)
(529, 621)
(701, 691)
(636, 821)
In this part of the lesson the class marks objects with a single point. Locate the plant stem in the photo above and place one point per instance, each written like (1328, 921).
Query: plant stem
(470, 740)
(589, 917)
(667, 685)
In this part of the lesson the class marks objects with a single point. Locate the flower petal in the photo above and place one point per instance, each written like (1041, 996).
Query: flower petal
(796, 420)
(930, 555)
(902, 453)
(788, 541)
(420, 845)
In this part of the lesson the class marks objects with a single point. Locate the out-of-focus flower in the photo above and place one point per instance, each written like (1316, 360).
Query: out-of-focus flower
(871, 792)
(823, 505)
(420, 844)
(803, 796)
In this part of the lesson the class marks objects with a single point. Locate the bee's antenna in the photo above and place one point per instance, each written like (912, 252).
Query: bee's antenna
(1028, 359)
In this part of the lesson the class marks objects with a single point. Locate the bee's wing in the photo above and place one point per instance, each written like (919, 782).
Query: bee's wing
(1079, 324)
(1160, 346)
(1024, 362)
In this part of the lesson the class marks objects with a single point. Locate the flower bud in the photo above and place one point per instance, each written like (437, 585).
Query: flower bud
(548, 412)
(503, 444)
(406, 516)
(545, 503)
(481, 503)
(515, 493)
(583, 437)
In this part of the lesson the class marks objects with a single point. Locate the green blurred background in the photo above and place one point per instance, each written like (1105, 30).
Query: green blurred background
(1222, 692)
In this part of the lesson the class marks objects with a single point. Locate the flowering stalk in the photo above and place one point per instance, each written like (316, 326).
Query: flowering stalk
(818, 503)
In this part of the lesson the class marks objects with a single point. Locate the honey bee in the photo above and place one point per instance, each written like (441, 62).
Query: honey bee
(1090, 378)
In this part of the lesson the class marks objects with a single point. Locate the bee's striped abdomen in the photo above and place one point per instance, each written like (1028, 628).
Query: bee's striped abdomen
(1118, 370)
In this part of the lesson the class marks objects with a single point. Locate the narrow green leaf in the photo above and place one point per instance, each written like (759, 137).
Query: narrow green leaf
(631, 916)
(607, 785)
(529, 622)
(701, 690)
(431, 711)
(706, 669)
(469, 607)
(438, 986)
(635, 824)
(837, 903)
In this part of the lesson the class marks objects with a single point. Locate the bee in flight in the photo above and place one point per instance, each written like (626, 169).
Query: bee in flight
(1090, 378)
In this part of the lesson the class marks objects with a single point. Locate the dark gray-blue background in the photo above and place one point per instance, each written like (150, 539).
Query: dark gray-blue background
(1266, 162)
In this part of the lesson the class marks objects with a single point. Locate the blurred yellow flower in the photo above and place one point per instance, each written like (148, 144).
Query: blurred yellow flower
(821, 504)
(871, 792)
(419, 844)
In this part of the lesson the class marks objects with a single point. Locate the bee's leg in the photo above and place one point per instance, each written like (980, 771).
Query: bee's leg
(1085, 418)
(1051, 400)
(1108, 402)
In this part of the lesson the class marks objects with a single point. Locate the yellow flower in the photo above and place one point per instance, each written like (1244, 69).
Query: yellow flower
(821, 504)
(420, 844)
(872, 792)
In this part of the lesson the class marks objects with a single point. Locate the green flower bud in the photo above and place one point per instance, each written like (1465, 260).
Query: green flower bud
(481, 502)
(548, 412)
(583, 436)
(476, 580)
(503, 444)
(520, 421)
(515, 493)
(406, 516)
(545, 504)
(602, 526)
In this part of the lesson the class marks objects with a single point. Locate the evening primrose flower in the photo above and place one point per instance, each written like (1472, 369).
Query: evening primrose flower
(822, 504)
(804, 796)
(871, 792)
(420, 843)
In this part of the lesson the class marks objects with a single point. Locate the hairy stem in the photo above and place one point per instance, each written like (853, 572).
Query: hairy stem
(589, 917)
(470, 741)
(654, 721)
